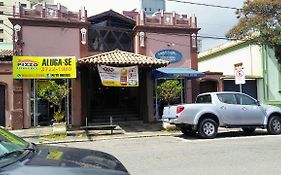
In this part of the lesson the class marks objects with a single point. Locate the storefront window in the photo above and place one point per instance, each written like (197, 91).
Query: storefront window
(41, 110)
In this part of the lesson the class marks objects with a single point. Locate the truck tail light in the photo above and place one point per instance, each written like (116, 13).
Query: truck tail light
(180, 109)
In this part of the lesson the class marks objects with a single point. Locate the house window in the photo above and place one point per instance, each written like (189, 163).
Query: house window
(23, 5)
(1, 3)
(1, 30)
(1, 22)
(1, 40)
(144, 9)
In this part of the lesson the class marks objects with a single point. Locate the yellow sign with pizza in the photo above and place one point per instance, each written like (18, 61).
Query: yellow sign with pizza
(119, 76)
(32, 67)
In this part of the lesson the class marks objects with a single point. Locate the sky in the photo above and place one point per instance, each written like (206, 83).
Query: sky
(212, 21)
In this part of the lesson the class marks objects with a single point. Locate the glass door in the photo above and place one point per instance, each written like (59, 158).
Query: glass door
(42, 112)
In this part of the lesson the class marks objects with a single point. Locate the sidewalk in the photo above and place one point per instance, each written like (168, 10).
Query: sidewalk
(133, 129)
(124, 130)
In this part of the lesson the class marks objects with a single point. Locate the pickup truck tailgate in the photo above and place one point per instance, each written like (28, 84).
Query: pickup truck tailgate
(169, 112)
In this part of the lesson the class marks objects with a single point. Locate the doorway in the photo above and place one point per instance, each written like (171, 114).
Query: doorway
(2, 105)
(118, 103)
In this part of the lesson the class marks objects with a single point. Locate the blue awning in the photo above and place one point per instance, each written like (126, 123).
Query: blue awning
(186, 73)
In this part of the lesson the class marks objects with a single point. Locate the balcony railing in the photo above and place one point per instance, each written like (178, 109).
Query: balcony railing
(49, 11)
(167, 19)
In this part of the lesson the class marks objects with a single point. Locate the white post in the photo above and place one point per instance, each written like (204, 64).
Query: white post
(240, 87)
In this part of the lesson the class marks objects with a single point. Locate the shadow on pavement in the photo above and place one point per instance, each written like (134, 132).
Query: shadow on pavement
(139, 126)
(228, 134)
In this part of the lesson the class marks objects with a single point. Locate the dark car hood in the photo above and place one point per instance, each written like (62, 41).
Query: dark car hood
(65, 159)
(73, 157)
(47, 170)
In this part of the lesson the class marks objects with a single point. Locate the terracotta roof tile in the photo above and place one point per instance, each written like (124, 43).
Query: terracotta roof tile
(6, 52)
(122, 58)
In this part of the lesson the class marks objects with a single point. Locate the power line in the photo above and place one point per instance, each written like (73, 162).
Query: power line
(203, 36)
(206, 5)
(8, 32)
(199, 36)
(214, 37)
(187, 45)
(7, 26)
(172, 43)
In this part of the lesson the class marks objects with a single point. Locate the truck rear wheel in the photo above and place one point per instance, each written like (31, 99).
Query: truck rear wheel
(208, 128)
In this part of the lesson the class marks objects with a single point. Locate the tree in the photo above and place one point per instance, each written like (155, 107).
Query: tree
(55, 93)
(169, 91)
(259, 23)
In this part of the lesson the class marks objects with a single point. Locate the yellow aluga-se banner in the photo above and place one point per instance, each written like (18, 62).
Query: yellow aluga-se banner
(33, 67)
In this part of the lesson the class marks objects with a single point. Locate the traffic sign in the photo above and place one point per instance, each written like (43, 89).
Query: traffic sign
(239, 75)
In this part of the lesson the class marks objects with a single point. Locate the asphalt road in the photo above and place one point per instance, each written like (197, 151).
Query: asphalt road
(231, 153)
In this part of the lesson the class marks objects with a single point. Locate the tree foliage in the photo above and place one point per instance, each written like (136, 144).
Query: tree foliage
(169, 91)
(55, 93)
(260, 23)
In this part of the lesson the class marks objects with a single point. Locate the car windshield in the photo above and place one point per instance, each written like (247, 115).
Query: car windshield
(10, 145)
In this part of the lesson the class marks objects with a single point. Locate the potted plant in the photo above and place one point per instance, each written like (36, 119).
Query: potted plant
(169, 91)
(55, 94)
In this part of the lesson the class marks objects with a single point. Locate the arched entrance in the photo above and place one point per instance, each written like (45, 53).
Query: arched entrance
(2, 105)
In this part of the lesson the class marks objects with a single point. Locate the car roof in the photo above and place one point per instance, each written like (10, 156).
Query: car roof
(222, 92)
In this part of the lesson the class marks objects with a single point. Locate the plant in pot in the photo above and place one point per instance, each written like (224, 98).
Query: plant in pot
(169, 91)
(55, 93)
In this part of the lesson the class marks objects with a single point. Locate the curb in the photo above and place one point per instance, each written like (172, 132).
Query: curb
(109, 137)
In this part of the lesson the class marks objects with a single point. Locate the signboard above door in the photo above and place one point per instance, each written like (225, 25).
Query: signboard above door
(33, 67)
(169, 55)
(119, 76)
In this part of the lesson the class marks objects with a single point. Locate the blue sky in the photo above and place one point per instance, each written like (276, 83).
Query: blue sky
(212, 21)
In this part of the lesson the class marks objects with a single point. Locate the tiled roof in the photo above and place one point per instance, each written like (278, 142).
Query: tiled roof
(6, 52)
(118, 57)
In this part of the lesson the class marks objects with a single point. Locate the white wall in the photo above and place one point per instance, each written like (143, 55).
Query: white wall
(249, 55)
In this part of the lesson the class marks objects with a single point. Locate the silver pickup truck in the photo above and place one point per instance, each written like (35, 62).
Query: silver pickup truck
(226, 109)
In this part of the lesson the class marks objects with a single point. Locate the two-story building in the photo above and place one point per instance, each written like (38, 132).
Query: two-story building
(105, 41)
(262, 71)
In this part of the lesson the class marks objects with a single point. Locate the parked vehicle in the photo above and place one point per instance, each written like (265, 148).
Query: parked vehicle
(18, 157)
(226, 109)
(169, 112)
